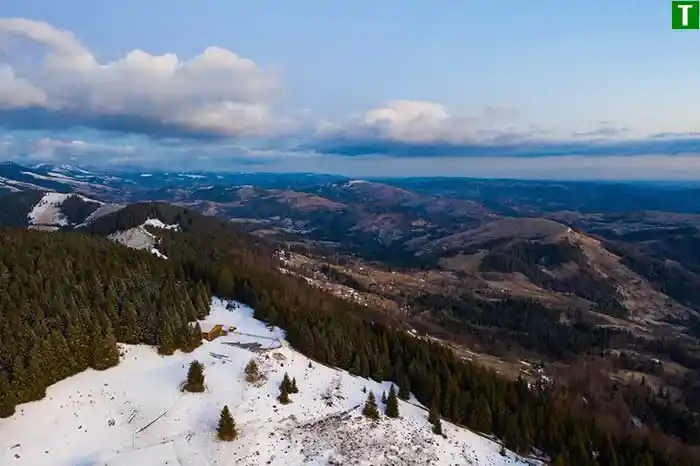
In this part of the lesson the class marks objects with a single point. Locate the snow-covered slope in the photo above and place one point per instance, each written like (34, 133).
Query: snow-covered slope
(135, 414)
(47, 214)
(140, 238)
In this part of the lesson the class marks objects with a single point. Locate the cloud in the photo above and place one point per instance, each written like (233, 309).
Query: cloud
(222, 110)
(214, 94)
(420, 122)
(425, 129)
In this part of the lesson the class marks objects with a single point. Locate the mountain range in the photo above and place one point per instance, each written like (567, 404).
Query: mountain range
(584, 287)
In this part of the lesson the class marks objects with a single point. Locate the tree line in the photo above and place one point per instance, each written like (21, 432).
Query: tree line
(66, 299)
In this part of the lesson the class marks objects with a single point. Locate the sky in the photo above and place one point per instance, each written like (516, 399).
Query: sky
(589, 89)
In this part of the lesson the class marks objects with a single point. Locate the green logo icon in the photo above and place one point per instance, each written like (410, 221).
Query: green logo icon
(685, 15)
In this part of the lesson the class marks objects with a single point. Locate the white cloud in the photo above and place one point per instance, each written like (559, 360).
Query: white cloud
(214, 92)
(421, 121)
(16, 92)
(424, 122)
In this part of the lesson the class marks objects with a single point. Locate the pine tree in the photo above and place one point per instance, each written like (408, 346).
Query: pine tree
(195, 378)
(166, 341)
(284, 394)
(481, 419)
(512, 435)
(252, 371)
(434, 413)
(227, 426)
(404, 389)
(7, 397)
(286, 384)
(392, 404)
(293, 387)
(192, 337)
(128, 325)
(224, 283)
(107, 353)
(383, 397)
(437, 426)
(370, 409)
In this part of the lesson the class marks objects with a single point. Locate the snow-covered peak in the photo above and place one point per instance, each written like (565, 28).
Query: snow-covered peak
(136, 413)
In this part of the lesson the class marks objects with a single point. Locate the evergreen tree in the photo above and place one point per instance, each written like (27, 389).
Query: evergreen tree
(284, 394)
(512, 435)
(252, 371)
(437, 426)
(392, 404)
(481, 419)
(107, 353)
(128, 325)
(7, 397)
(434, 413)
(166, 341)
(404, 389)
(293, 387)
(225, 282)
(195, 378)
(370, 409)
(226, 430)
(286, 384)
(383, 397)
(194, 338)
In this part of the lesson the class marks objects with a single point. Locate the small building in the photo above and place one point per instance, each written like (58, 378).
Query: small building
(210, 331)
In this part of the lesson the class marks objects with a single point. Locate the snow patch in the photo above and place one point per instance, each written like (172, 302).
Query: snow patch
(140, 238)
(135, 413)
(47, 212)
(20, 185)
(60, 178)
(157, 223)
(158, 253)
(135, 238)
(354, 182)
(56, 175)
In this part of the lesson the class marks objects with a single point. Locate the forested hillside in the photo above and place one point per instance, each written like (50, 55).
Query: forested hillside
(333, 331)
(66, 299)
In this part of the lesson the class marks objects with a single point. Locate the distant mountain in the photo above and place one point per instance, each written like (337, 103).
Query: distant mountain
(45, 210)
(532, 197)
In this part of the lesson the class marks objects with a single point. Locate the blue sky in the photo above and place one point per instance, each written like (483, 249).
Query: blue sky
(580, 89)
